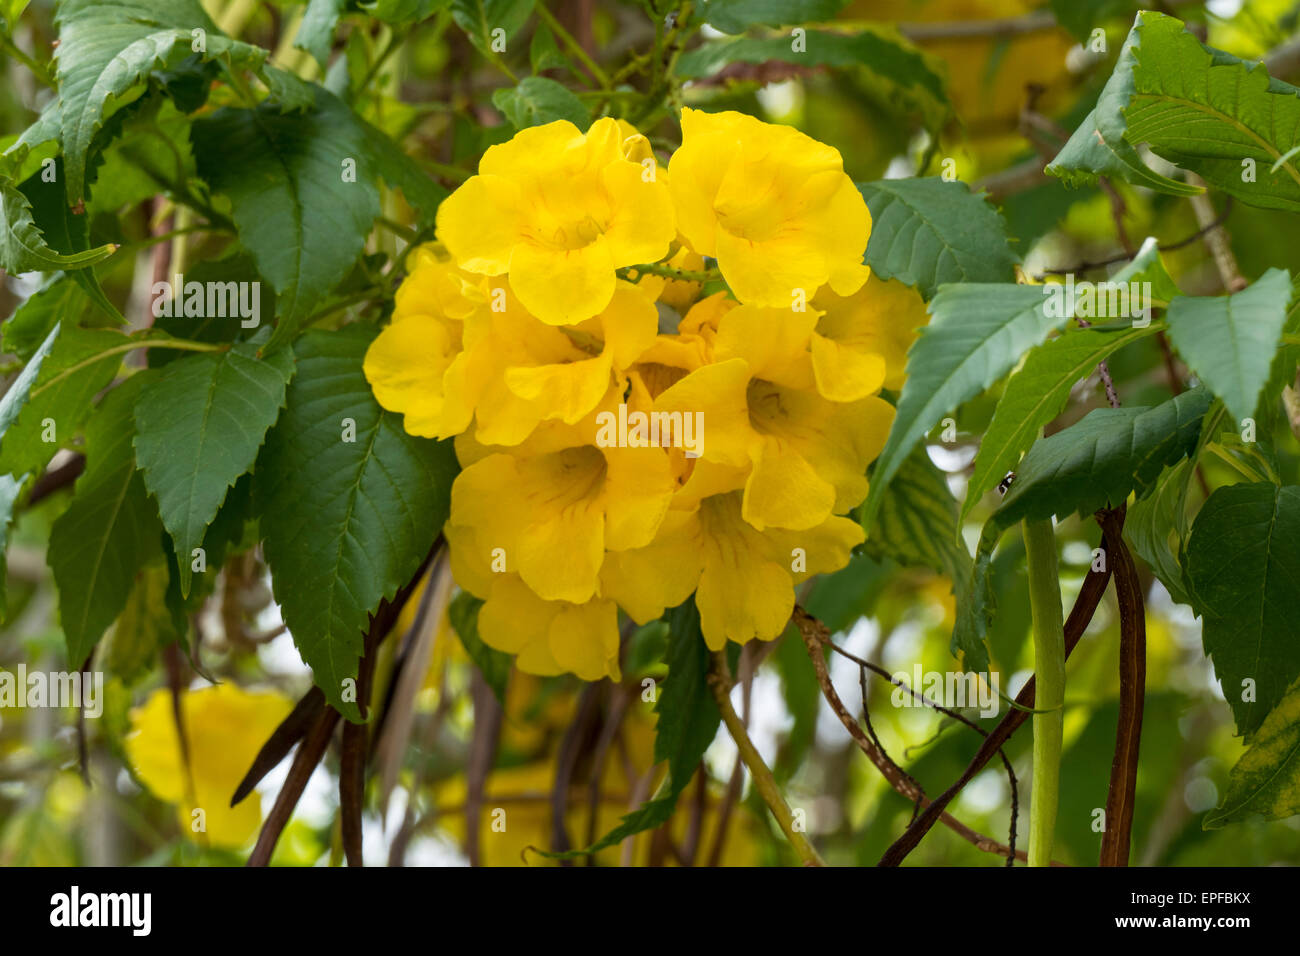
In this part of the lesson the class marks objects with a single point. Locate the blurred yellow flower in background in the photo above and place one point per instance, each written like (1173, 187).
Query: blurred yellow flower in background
(225, 727)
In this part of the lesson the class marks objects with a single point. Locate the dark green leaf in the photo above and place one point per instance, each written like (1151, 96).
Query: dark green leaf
(1243, 565)
(106, 47)
(23, 247)
(349, 505)
(110, 529)
(926, 232)
(479, 18)
(198, 429)
(299, 212)
(917, 521)
(16, 395)
(1101, 459)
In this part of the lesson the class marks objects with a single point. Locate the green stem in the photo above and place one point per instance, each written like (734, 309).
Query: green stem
(764, 782)
(547, 17)
(184, 345)
(37, 70)
(1049, 686)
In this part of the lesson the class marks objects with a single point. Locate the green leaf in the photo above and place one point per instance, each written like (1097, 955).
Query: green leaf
(1035, 395)
(224, 322)
(926, 232)
(494, 665)
(59, 299)
(110, 530)
(737, 16)
(1229, 341)
(81, 364)
(1157, 525)
(106, 47)
(977, 334)
(544, 53)
(224, 536)
(478, 18)
(17, 394)
(1200, 109)
(906, 72)
(917, 521)
(1266, 780)
(1095, 463)
(316, 31)
(23, 247)
(285, 176)
(1103, 458)
(349, 505)
(538, 100)
(688, 716)
(1243, 565)
(198, 429)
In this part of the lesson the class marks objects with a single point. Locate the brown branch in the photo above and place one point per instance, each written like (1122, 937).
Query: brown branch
(815, 635)
(1085, 605)
(291, 730)
(304, 764)
(1132, 690)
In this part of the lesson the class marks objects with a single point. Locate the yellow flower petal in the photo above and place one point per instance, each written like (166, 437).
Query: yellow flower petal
(583, 639)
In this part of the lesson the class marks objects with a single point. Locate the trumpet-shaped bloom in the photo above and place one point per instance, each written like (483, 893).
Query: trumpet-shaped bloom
(225, 727)
(743, 578)
(554, 514)
(808, 455)
(560, 210)
(771, 204)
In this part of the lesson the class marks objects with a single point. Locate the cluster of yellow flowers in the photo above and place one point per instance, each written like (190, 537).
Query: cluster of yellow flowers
(745, 419)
